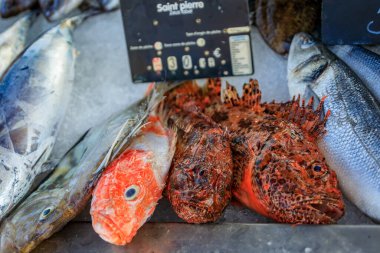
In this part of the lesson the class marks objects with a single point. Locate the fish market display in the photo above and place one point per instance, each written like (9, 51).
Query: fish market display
(34, 94)
(57, 9)
(129, 189)
(12, 41)
(364, 63)
(9, 8)
(279, 20)
(351, 145)
(65, 193)
(109, 5)
(278, 169)
(199, 185)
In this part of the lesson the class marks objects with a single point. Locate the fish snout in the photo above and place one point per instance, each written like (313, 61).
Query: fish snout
(107, 229)
(304, 40)
(7, 239)
(330, 210)
(325, 211)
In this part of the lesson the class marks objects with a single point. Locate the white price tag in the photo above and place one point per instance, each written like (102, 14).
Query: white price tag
(241, 55)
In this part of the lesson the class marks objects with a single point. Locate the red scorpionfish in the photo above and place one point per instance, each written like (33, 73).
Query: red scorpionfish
(199, 185)
(278, 169)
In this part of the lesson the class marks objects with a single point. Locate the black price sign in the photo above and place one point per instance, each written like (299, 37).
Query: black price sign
(187, 39)
(351, 22)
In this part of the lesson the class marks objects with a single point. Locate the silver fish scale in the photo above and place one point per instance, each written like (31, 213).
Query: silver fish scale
(13, 40)
(365, 63)
(69, 188)
(352, 143)
(34, 94)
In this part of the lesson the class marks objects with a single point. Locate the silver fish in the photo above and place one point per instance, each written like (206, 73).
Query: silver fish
(352, 143)
(109, 5)
(364, 63)
(57, 9)
(65, 193)
(34, 94)
(9, 8)
(13, 40)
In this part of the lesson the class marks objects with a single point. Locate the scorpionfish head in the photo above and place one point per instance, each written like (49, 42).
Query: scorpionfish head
(295, 179)
(125, 197)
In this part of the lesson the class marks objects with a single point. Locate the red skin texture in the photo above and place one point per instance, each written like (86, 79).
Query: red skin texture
(199, 185)
(114, 217)
(109, 195)
(278, 169)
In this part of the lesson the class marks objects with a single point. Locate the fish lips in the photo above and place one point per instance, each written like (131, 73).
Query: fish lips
(108, 230)
(325, 210)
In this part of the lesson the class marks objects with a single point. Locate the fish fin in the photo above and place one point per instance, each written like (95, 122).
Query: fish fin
(173, 137)
(32, 16)
(214, 87)
(312, 121)
(165, 87)
(124, 137)
(48, 166)
(252, 95)
(149, 89)
(231, 96)
(188, 89)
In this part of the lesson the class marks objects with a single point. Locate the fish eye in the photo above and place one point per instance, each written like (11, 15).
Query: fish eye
(131, 192)
(317, 168)
(46, 212)
(306, 43)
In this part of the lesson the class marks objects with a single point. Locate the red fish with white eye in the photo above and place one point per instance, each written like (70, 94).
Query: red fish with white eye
(129, 189)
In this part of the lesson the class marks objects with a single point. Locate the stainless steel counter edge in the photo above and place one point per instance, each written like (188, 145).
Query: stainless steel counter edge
(226, 237)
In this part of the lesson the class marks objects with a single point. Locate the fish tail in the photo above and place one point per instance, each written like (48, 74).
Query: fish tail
(32, 16)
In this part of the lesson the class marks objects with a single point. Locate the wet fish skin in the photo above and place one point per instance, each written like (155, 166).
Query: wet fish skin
(57, 9)
(109, 5)
(351, 145)
(199, 184)
(142, 170)
(279, 20)
(13, 40)
(65, 193)
(34, 95)
(364, 63)
(11, 8)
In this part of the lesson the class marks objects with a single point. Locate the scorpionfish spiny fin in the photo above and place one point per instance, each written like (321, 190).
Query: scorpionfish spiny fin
(295, 111)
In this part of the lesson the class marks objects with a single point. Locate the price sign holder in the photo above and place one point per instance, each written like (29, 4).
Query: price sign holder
(181, 40)
(351, 21)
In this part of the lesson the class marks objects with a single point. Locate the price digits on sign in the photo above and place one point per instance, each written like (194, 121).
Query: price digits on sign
(370, 24)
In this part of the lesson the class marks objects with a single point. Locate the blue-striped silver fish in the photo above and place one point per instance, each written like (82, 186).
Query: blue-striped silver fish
(352, 143)
(365, 63)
